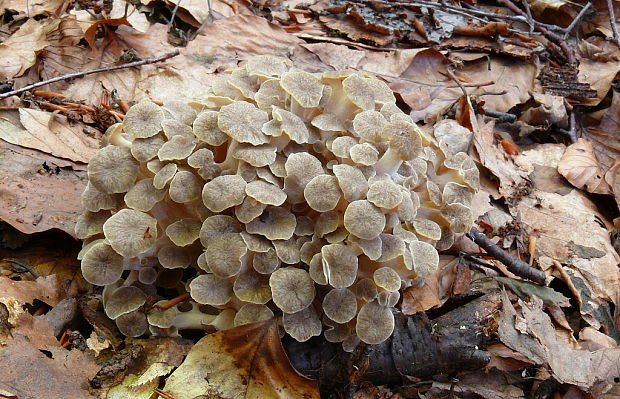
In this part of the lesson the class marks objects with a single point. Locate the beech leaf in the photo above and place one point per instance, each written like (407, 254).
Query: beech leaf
(581, 168)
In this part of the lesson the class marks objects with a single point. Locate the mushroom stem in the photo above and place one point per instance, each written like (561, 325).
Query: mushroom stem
(389, 163)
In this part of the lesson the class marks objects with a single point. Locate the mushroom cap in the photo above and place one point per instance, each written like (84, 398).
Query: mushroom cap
(216, 225)
(265, 193)
(265, 66)
(130, 232)
(101, 265)
(143, 150)
(252, 287)
(113, 170)
(256, 243)
(90, 223)
(366, 289)
(326, 223)
(422, 258)
(339, 265)
(251, 312)
(143, 120)
(292, 289)
(178, 147)
(341, 146)
(185, 187)
(209, 289)
(94, 200)
(322, 193)
(162, 318)
(352, 182)
(316, 269)
(173, 257)
(428, 229)
(375, 323)
(147, 275)
(206, 129)
(384, 194)
(224, 254)
(256, 155)
(369, 126)
(291, 125)
(123, 300)
(387, 278)
(172, 127)
(143, 196)
(274, 223)
(300, 168)
(364, 220)
(266, 262)
(180, 111)
(340, 305)
(132, 324)
(242, 121)
(223, 192)
(328, 122)
(302, 325)
(366, 92)
(184, 232)
(288, 250)
(304, 87)
(364, 154)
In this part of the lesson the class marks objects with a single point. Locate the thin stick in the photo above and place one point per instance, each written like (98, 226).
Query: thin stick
(612, 21)
(174, 13)
(90, 72)
(516, 266)
(579, 16)
(173, 302)
(530, 19)
(457, 81)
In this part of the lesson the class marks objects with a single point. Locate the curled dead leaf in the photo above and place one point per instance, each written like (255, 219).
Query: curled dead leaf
(581, 168)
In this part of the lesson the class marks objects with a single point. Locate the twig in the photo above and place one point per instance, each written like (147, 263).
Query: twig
(500, 116)
(572, 130)
(173, 302)
(457, 81)
(204, 23)
(174, 13)
(579, 16)
(337, 40)
(530, 19)
(612, 21)
(90, 72)
(514, 265)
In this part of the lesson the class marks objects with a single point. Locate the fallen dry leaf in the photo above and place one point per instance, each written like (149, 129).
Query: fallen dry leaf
(581, 168)
(19, 52)
(604, 137)
(435, 291)
(599, 74)
(243, 362)
(46, 289)
(32, 7)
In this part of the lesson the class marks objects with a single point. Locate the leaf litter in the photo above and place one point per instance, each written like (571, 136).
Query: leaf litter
(543, 110)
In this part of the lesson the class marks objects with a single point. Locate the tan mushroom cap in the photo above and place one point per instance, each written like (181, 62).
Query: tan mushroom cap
(172, 127)
(364, 220)
(408, 208)
(180, 111)
(123, 300)
(270, 94)
(265, 66)
(184, 232)
(328, 122)
(173, 257)
(364, 154)
(94, 200)
(322, 193)
(339, 265)
(143, 150)
(143, 120)
(375, 323)
(249, 210)
(252, 287)
(206, 129)
(90, 223)
(165, 175)
(369, 126)
(340, 305)
(404, 138)
(252, 312)
(304, 87)
(130, 232)
(224, 254)
(367, 92)
(247, 85)
(428, 229)
(257, 156)
(209, 289)
(454, 192)
(300, 168)
(266, 262)
(387, 278)
(371, 248)
(162, 318)
(113, 170)
(292, 289)
(366, 289)
(392, 246)
(178, 147)
(384, 194)
(243, 122)
(352, 182)
(215, 225)
(326, 223)
(287, 250)
(305, 226)
(341, 146)
(459, 216)
(185, 187)
(422, 258)
(291, 125)
(143, 196)
(302, 325)
(223, 192)
(101, 265)
(132, 324)
(256, 243)
(275, 223)
(265, 193)
(147, 275)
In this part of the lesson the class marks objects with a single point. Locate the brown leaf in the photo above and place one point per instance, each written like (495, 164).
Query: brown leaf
(435, 291)
(599, 74)
(604, 137)
(581, 168)
(19, 51)
(244, 362)
(46, 289)
(32, 7)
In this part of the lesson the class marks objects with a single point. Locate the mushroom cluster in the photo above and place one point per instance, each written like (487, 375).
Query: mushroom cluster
(310, 197)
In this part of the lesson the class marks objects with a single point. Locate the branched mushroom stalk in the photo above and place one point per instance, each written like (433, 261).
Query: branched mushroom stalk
(309, 197)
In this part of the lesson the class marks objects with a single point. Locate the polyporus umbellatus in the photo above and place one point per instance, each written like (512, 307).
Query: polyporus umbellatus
(311, 197)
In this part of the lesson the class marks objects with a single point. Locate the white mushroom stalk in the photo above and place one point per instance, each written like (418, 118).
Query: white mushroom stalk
(309, 197)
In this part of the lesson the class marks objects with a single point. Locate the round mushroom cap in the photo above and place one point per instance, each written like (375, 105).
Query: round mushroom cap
(132, 324)
(422, 258)
(180, 111)
(265, 66)
(101, 265)
(364, 220)
(322, 193)
(341, 146)
(252, 287)
(173, 257)
(162, 318)
(366, 92)
(387, 278)
(300, 168)
(404, 139)
(184, 187)
(375, 323)
(143, 120)
(143, 196)
(292, 289)
(384, 194)
(288, 250)
(340, 305)
(123, 300)
(164, 175)
(209, 289)
(252, 312)
(339, 265)
(428, 229)
(249, 210)
(223, 192)
(242, 121)
(130, 232)
(257, 156)
(366, 289)
(274, 223)
(304, 87)
(459, 216)
(369, 125)
(172, 127)
(178, 147)
(113, 170)
(146, 149)
(184, 232)
(94, 200)
(364, 154)
(352, 182)
(265, 193)
(302, 325)
(90, 223)
(224, 253)
(291, 125)
(207, 130)
(328, 122)
(147, 275)
(216, 225)
(266, 262)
